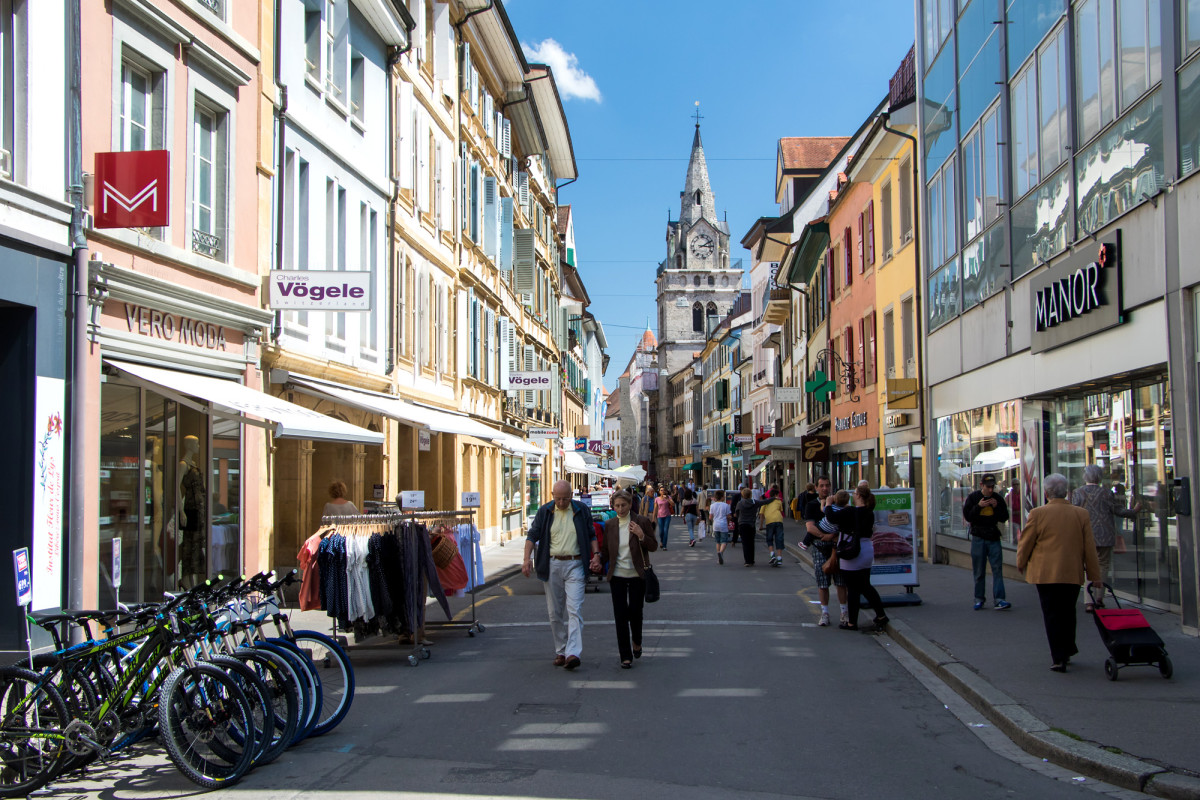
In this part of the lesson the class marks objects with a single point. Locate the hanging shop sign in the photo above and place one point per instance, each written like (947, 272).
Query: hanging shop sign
(815, 448)
(173, 327)
(1077, 298)
(896, 420)
(739, 438)
(902, 393)
(542, 434)
(788, 394)
(320, 290)
(530, 381)
(133, 188)
(581, 444)
(423, 441)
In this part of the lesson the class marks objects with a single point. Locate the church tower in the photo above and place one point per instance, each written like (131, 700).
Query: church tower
(696, 287)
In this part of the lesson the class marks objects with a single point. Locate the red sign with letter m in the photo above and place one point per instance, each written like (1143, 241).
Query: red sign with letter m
(132, 189)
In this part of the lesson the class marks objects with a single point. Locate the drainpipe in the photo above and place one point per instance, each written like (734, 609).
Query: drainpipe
(78, 431)
(281, 162)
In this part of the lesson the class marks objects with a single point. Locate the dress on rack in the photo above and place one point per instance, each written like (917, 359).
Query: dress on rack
(468, 547)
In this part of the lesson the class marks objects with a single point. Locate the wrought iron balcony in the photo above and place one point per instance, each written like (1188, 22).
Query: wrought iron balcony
(206, 244)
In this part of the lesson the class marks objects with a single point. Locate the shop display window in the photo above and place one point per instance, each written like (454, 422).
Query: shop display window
(170, 494)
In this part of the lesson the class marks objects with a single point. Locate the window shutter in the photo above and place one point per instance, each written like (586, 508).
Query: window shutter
(862, 350)
(506, 234)
(479, 215)
(442, 41)
(505, 356)
(472, 333)
(439, 199)
(848, 256)
(404, 141)
(871, 232)
(464, 191)
(523, 261)
(491, 227)
(462, 314)
(523, 191)
(464, 67)
(529, 367)
(848, 338)
(872, 355)
(505, 137)
(474, 89)
(860, 243)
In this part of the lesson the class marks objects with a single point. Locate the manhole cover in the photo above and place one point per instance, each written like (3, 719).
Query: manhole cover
(547, 708)
(486, 775)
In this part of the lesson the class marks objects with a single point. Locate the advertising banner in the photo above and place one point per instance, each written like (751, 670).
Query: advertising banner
(320, 290)
(895, 538)
(24, 582)
(50, 411)
(594, 446)
(788, 394)
(542, 434)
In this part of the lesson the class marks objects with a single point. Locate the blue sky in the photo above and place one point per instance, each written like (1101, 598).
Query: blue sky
(631, 72)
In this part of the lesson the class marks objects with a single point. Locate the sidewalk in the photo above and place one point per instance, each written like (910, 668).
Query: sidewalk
(1138, 732)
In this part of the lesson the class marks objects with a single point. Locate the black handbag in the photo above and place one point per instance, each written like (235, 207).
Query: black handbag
(849, 546)
(652, 590)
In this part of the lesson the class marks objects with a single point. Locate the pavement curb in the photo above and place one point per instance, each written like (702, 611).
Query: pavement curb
(1031, 734)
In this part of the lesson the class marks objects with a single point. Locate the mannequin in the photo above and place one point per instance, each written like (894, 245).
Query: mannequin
(193, 503)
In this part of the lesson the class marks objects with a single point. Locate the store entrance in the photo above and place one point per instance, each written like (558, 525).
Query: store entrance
(170, 494)
(1127, 431)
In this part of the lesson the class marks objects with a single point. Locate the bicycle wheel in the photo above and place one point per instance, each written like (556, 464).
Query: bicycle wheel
(33, 718)
(198, 706)
(263, 715)
(310, 683)
(283, 687)
(337, 677)
(81, 699)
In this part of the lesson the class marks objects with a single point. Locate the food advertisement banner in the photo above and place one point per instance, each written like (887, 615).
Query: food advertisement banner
(895, 538)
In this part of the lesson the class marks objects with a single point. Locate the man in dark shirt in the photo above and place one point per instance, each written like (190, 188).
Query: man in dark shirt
(984, 510)
(821, 550)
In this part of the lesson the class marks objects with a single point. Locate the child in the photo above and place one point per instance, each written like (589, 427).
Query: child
(720, 513)
(839, 514)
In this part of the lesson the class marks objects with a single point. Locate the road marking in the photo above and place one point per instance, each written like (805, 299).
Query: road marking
(602, 685)
(462, 614)
(482, 697)
(722, 692)
(669, 622)
(563, 729)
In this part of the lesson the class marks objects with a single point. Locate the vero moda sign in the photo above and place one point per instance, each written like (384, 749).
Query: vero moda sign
(320, 290)
(132, 189)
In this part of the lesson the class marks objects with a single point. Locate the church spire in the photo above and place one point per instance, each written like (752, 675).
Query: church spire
(697, 200)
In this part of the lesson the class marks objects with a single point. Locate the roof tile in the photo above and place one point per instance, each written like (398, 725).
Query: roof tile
(811, 152)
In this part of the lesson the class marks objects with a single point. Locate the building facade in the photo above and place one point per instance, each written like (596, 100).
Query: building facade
(1061, 146)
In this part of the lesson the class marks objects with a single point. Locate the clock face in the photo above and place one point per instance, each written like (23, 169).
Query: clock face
(702, 246)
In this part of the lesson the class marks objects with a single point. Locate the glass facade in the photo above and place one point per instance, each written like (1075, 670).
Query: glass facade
(1072, 161)
(170, 494)
(1125, 429)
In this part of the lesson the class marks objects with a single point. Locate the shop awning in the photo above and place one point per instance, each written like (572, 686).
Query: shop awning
(573, 462)
(695, 465)
(412, 413)
(754, 473)
(780, 443)
(230, 399)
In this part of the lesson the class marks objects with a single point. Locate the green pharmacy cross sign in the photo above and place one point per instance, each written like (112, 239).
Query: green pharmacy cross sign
(820, 386)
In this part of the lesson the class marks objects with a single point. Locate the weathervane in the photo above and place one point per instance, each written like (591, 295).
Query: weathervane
(698, 117)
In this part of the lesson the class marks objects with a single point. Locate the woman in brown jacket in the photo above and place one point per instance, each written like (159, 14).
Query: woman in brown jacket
(1056, 548)
(627, 539)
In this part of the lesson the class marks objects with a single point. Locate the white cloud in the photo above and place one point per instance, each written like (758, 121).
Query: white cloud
(571, 80)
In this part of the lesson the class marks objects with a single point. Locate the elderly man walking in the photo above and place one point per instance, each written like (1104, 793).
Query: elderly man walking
(563, 535)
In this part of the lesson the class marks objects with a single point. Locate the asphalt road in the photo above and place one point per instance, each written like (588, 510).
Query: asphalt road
(739, 694)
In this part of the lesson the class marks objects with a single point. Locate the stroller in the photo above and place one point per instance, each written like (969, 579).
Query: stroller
(1130, 640)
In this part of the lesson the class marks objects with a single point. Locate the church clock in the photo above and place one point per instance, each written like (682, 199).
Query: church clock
(702, 246)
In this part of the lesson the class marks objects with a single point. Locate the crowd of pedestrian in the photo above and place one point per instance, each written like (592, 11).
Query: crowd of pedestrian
(1069, 539)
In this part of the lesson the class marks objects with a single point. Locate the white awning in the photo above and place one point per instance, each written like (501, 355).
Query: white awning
(230, 399)
(573, 462)
(780, 443)
(414, 414)
(754, 473)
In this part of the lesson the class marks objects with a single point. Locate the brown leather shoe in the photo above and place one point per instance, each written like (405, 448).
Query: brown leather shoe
(573, 662)
(560, 660)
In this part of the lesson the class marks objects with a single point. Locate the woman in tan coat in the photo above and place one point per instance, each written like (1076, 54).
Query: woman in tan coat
(627, 539)
(1056, 548)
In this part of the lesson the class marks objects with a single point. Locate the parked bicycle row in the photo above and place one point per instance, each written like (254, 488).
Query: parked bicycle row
(216, 673)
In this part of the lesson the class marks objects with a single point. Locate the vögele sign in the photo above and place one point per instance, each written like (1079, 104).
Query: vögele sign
(320, 290)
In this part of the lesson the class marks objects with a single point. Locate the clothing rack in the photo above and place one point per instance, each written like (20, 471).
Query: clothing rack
(456, 516)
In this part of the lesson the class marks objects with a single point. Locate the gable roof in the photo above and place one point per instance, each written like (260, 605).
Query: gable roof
(809, 153)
